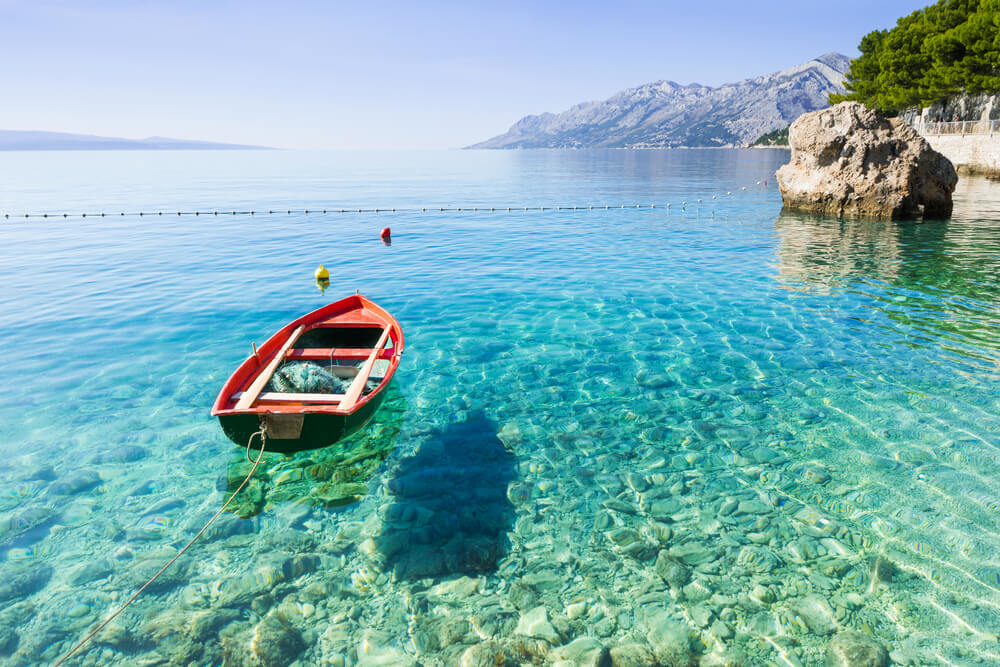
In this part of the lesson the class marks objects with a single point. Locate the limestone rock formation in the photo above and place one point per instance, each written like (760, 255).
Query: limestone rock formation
(849, 161)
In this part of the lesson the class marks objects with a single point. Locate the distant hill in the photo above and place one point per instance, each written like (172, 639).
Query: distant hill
(666, 114)
(776, 138)
(16, 140)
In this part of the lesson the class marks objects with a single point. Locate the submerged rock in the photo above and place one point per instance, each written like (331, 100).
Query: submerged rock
(581, 652)
(24, 521)
(632, 655)
(164, 505)
(121, 454)
(75, 483)
(816, 613)
(377, 648)
(883, 569)
(174, 577)
(44, 473)
(757, 559)
(22, 579)
(225, 526)
(40, 646)
(692, 553)
(535, 624)
(672, 572)
(98, 568)
(853, 649)
(730, 657)
(849, 161)
(670, 640)
(522, 650)
(275, 642)
(8, 640)
(485, 654)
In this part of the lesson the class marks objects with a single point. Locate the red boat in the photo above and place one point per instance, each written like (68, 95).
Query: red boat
(317, 380)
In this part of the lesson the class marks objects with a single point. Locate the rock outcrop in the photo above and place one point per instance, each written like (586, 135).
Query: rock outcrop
(850, 161)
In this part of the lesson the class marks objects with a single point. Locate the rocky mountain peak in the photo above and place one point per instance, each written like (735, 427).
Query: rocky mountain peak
(665, 114)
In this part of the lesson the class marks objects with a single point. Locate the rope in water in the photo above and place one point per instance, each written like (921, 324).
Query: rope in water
(263, 442)
(422, 209)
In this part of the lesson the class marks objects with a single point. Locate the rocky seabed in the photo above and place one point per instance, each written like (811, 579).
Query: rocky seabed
(604, 510)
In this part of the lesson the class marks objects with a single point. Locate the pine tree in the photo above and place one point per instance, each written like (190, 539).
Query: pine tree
(946, 49)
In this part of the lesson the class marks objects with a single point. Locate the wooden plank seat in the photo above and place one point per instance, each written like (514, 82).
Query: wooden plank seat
(277, 397)
(357, 387)
(318, 353)
(250, 395)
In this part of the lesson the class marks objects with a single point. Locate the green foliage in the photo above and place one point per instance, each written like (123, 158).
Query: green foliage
(775, 138)
(946, 49)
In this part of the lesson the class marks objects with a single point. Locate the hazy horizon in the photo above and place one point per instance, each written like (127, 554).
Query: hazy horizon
(444, 75)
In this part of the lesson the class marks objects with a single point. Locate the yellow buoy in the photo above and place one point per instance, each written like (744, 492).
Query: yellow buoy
(322, 273)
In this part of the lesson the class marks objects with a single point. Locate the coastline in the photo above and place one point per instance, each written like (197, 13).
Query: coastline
(623, 148)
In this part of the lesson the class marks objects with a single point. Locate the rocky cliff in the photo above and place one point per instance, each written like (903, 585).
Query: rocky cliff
(963, 107)
(665, 114)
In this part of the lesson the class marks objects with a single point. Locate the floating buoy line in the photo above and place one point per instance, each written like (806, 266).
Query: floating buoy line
(301, 210)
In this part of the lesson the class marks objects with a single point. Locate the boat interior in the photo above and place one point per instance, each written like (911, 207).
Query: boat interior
(321, 365)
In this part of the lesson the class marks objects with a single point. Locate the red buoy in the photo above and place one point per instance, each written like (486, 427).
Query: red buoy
(386, 234)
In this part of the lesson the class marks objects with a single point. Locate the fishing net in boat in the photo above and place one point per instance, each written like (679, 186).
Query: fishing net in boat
(303, 377)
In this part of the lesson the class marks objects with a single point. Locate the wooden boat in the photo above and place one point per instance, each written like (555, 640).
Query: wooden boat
(353, 342)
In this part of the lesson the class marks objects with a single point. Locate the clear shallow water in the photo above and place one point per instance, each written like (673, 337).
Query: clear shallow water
(748, 429)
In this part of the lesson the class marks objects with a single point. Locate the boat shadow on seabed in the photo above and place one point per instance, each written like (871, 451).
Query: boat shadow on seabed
(449, 512)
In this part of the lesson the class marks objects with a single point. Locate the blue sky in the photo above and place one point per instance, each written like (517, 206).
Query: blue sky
(382, 74)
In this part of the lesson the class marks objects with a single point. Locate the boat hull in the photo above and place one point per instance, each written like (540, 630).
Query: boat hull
(318, 429)
(351, 331)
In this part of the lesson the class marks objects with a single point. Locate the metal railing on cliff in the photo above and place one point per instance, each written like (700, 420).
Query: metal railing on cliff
(962, 128)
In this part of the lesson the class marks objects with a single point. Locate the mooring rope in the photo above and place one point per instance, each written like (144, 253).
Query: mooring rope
(263, 442)
(300, 210)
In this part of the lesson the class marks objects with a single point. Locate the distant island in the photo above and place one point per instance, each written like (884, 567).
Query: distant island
(17, 140)
(665, 114)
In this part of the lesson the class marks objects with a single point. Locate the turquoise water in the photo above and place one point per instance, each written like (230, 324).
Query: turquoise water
(724, 433)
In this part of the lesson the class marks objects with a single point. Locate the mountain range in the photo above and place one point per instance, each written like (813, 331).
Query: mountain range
(16, 140)
(665, 114)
